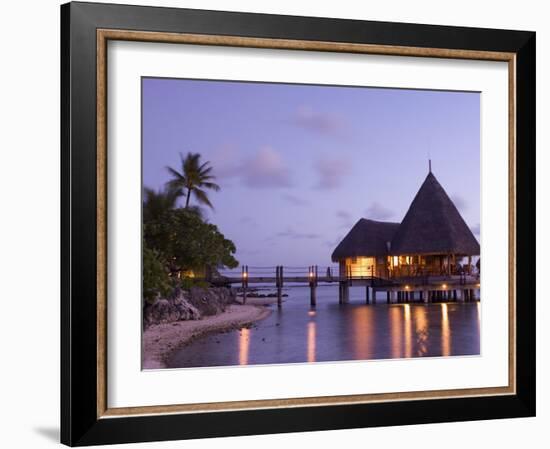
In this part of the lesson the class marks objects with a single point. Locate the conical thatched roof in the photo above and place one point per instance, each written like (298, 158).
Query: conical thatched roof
(433, 225)
(366, 238)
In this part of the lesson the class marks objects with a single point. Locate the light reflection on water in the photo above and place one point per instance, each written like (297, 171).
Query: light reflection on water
(422, 331)
(244, 345)
(445, 331)
(311, 341)
(396, 322)
(333, 332)
(408, 330)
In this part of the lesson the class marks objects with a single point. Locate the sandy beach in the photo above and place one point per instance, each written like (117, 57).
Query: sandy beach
(161, 339)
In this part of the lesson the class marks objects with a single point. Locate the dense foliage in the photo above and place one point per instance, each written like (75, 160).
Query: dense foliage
(188, 242)
(155, 275)
(177, 240)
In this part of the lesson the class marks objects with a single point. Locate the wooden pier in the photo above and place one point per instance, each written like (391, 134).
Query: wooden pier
(426, 289)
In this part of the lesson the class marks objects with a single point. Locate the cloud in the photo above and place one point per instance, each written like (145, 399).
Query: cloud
(343, 214)
(265, 169)
(345, 219)
(459, 201)
(318, 122)
(246, 220)
(331, 172)
(296, 201)
(476, 229)
(225, 161)
(333, 243)
(291, 233)
(242, 251)
(377, 211)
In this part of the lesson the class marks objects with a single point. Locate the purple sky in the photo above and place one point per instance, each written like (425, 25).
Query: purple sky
(299, 165)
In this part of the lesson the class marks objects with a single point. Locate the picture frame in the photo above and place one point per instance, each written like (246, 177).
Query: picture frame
(86, 28)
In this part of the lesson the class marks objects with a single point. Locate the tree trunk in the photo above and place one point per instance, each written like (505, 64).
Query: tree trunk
(188, 198)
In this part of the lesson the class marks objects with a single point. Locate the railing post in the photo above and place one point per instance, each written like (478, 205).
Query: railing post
(279, 277)
(313, 285)
(244, 277)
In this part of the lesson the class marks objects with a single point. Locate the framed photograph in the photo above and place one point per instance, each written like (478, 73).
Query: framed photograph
(282, 224)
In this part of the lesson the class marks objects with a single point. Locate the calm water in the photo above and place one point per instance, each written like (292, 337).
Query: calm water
(333, 332)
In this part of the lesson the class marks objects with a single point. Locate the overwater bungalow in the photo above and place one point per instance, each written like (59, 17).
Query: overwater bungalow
(432, 240)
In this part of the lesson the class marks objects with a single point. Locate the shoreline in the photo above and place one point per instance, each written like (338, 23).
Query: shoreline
(160, 340)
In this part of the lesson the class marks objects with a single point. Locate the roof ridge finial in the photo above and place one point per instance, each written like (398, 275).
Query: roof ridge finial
(429, 165)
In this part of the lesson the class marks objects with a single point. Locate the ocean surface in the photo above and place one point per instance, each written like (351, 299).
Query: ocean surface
(296, 333)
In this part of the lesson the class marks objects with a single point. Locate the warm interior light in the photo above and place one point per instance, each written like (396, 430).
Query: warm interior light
(406, 287)
(444, 285)
(395, 261)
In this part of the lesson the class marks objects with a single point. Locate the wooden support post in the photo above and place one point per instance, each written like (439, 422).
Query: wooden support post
(340, 292)
(279, 277)
(388, 296)
(454, 295)
(346, 292)
(373, 295)
(313, 285)
(367, 299)
(244, 278)
(313, 297)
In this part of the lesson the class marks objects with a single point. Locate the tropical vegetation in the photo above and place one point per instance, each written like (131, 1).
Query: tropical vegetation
(179, 243)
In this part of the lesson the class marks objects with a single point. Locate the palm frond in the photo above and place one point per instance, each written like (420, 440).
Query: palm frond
(202, 197)
(193, 177)
(211, 185)
(176, 174)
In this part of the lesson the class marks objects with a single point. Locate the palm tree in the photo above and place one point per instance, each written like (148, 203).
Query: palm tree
(157, 203)
(193, 179)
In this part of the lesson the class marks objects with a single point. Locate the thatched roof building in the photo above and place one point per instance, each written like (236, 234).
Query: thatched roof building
(429, 239)
(367, 237)
(433, 225)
